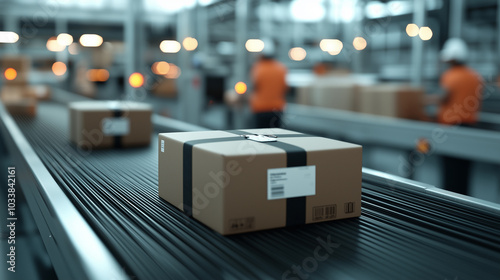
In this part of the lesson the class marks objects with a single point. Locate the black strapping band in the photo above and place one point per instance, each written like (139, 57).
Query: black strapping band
(187, 169)
(296, 156)
(117, 140)
(295, 206)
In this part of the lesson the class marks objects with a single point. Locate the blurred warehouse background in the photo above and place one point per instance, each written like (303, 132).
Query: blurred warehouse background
(360, 71)
(191, 60)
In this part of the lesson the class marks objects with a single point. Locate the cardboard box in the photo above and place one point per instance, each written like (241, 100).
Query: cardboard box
(18, 101)
(40, 92)
(335, 91)
(21, 64)
(165, 88)
(25, 107)
(340, 96)
(391, 100)
(233, 184)
(106, 124)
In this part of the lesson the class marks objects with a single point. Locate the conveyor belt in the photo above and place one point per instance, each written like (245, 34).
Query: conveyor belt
(400, 235)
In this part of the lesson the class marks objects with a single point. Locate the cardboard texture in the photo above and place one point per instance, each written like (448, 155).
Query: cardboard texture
(230, 178)
(18, 100)
(387, 99)
(21, 64)
(334, 90)
(335, 96)
(391, 100)
(107, 124)
(40, 92)
(165, 88)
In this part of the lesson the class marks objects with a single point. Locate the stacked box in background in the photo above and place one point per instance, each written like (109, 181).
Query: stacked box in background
(236, 184)
(391, 100)
(107, 124)
(335, 91)
(15, 93)
(364, 95)
(40, 92)
(165, 88)
(21, 64)
(18, 96)
(18, 100)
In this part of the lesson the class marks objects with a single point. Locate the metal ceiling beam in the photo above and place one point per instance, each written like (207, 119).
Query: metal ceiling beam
(417, 50)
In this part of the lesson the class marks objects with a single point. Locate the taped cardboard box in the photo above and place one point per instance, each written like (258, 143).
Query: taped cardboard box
(107, 124)
(391, 100)
(235, 184)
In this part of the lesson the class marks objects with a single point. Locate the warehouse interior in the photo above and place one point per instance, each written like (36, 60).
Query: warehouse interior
(375, 73)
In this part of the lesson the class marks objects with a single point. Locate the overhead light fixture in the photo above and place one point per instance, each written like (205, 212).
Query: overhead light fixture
(332, 46)
(91, 40)
(425, 33)
(307, 10)
(136, 80)
(174, 71)
(254, 45)
(359, 43)
(190, 44)
(10, 74)
(160, 68)
(54, 46)
(297, 54)
(64, 39)
(412, 29)
(240, 87)
(59, 68)
(97, 75)
(8, 37)
(170, 46)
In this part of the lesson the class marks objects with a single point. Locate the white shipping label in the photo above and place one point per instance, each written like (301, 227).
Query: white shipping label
(162, 145)
(291, 182)
(115, 126)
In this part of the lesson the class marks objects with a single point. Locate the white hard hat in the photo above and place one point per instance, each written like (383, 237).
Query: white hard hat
(454, 49)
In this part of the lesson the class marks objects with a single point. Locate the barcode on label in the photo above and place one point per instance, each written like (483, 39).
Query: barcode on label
(349, 207)
(277, 191)
(324, 212)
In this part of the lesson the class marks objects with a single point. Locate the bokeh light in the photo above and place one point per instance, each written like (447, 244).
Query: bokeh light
(190, 44)
(160, 68)
(359, 43)
(297, 54)
(332, 46)
(254, 45)
(54, 46)
(174, 72)
(91, 40)
(412, 30)
(170, 46)
(59, 68)
(136, 80)
(10, 74)
(425, 33)
(8, 37)
(97, 75)
(240, 87)
(64, 39)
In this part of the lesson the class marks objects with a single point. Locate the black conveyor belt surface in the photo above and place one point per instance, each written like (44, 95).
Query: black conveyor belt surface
(400, 235)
